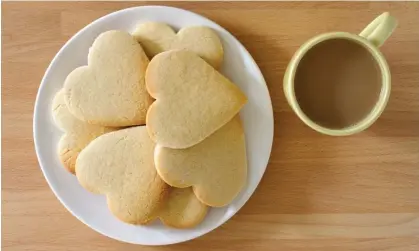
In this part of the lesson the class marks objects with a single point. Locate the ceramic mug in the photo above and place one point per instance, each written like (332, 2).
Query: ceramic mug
(371, 38)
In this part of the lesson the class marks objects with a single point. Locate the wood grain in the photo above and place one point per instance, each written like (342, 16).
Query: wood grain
(319, 192)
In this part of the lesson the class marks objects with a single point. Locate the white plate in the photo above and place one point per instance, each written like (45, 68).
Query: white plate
(91, 209)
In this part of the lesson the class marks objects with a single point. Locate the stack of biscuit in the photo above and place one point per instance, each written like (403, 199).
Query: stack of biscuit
(151, 124)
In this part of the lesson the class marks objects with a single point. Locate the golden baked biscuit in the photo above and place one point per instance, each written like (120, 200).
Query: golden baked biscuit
(158, 37)
(182, 209)
(120, 165)
(193, 100)
(216, 168)
(110, 90)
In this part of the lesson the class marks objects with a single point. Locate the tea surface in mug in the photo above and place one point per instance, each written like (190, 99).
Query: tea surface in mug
(337, 83)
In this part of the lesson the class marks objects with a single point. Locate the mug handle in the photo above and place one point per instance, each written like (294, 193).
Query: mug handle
(379, 29)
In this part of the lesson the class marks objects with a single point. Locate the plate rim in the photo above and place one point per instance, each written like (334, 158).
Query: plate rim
(42, 85)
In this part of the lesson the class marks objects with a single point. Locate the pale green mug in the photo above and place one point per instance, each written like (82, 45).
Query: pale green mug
(371, 38)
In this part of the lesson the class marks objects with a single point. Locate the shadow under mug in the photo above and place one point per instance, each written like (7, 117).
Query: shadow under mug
(371, 38)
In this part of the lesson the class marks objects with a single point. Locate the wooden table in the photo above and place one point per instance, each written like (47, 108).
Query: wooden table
(319, 192)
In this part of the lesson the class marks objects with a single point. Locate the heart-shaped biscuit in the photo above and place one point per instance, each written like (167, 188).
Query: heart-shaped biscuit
(158, 37)
(182, 209)
(77, 133)
(193, 100)
(120, 165)
(216, 168)
(110, 90)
